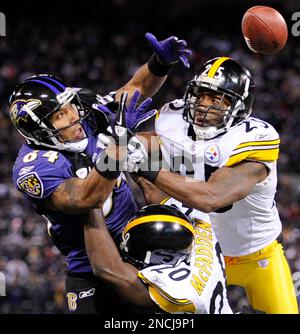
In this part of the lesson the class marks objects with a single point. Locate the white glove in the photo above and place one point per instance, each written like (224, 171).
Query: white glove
(103, 141)
(136, 155)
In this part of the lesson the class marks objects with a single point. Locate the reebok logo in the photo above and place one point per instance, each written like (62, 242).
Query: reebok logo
(85, 294)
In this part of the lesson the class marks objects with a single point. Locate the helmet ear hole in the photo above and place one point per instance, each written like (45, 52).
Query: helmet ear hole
(44, 136)
(41, 134)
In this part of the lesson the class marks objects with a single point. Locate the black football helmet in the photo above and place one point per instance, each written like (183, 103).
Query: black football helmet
(38, 97)
(226, 77)
(157, 234)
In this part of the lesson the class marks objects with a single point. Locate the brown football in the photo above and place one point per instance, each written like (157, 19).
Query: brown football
(264, 29)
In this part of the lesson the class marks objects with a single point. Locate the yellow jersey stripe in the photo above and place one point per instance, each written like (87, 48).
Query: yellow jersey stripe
(174, 300)
(260, 155)
(259, 143)
(160, 143)
(164, 200)
(157, 115)
(163, 218)
(168, 306)
(211, 73)
(167, 302)
(202, 224)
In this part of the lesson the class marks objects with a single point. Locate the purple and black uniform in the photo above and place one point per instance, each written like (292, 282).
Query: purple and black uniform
(38, 172)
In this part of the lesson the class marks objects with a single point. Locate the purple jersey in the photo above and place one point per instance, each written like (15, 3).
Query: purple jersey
(38, 172)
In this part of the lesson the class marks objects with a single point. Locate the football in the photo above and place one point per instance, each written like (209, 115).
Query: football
(264, 29)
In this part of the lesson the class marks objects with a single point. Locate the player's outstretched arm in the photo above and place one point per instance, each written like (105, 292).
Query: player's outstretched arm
(152, 194)
(76, 196)
(225, 186)
(144, 81)
(107, 263)
(150, 77)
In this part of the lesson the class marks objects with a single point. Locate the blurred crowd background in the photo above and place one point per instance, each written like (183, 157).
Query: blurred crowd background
(101, 48)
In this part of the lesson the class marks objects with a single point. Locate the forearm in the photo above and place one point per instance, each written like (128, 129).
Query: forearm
(192, 193)
(94, 191)
(107, 263)
(144, 81)
(152, 194)
(126, 282)
(76, 196)
(201, 195)
(224, 187)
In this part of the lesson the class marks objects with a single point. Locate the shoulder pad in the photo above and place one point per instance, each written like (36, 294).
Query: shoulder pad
(37, 173)
(175, 106)
(172, 106)
(258, 141)
(258, 130)
(171, 296)
(190, 212)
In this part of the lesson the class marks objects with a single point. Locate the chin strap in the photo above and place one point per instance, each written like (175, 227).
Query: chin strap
(207, 133)
(76, 147)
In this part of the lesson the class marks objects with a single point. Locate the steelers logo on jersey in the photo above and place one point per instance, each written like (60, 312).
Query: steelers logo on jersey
(31, 184)
(212, 153)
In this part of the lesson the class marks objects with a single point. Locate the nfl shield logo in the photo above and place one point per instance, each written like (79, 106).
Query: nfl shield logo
(212, 153)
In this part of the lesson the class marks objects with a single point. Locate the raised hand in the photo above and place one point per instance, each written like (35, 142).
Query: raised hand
(170, 50)
(127, 118)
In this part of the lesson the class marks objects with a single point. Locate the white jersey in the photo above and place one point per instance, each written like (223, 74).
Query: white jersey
(197, 287)
(251, 223)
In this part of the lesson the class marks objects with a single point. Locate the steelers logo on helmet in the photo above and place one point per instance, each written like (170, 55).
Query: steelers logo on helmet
(35, 100)
(230, 87)
(157, 234)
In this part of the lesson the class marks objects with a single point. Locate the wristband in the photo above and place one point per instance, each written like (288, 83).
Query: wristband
(157, 68)
(107, 167)
(151, 167)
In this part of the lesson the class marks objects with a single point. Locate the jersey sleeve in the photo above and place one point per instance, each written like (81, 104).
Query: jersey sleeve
(40, 174)
(164, 113)
(171, 295)
(193, 214)
(259, 142)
